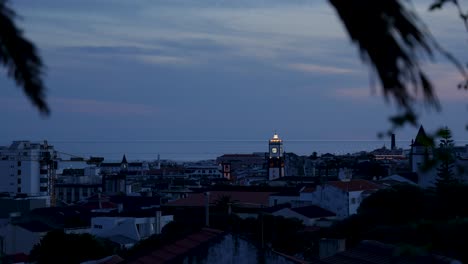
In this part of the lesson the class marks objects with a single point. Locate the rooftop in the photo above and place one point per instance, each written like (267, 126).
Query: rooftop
(172, 252)
(422, 140)
(313, 211)
(36, 226)
(374, 252)
(256, 199)
(354, 185)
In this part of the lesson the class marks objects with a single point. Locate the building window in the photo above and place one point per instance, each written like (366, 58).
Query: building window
(43, 189)
(43, 180)
(19, 189)
(98, 226)
(19, 163)
(19, 180)
(353, 200)
(19, 172)
(25, 153)
(43, 171)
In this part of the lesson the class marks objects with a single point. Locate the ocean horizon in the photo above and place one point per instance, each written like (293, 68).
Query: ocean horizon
(194, 150)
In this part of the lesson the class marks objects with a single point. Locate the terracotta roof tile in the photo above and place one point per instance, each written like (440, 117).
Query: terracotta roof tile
(187, 243)
(354, 185)
(180, 248)
(247, 198)
(174, 249)
(201, 237)
(308, 190)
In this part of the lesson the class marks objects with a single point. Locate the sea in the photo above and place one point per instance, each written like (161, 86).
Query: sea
(195, 150)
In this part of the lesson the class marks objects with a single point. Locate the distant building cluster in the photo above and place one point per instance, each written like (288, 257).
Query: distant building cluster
(41, 189)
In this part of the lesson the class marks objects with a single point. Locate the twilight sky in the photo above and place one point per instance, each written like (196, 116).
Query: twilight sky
(133, 71)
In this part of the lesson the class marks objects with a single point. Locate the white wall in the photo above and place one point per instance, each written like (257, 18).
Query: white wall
(110, 226)
(8, 176)
(132, 227)
(342, 203)
(355, 199)
(18, 240)
(29, 154)
(330, 198)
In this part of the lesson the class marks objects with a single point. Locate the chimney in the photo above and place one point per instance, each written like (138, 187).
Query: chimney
(393, 142)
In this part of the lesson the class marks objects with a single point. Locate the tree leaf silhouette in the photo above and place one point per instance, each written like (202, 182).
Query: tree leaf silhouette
(390, 37)
(21, 59)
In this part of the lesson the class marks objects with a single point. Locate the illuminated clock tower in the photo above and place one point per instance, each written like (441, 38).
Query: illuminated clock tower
(275, 158)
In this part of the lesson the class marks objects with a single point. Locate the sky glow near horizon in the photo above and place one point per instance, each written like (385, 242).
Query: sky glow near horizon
(212, 70)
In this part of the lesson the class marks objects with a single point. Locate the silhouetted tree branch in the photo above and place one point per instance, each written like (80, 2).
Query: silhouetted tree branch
(438, 4)
(21, 58)
(392, 38)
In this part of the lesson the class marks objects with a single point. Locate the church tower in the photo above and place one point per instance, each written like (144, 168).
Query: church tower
(124, 164)
(275, 158)
(421, 150)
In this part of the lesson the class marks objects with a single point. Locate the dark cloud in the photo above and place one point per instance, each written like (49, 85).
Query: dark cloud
(184, 46)
(112, 50)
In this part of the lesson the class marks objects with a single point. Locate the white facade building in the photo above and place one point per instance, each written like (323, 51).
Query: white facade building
(275, 158)
(341, 197)
(138, 167)
(25, 167)
(129, 229)
(209, 171)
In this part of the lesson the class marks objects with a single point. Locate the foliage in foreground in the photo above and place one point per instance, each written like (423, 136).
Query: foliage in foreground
(58, 247)
(425, 220)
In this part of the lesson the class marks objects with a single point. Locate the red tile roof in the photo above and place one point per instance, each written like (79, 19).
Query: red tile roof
(255, 199)
(308, 190)
(180, 248)
(114, 259)
(354, 185)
